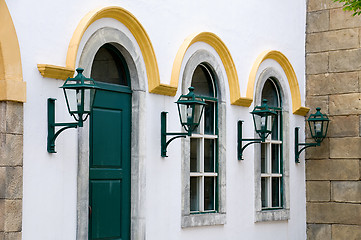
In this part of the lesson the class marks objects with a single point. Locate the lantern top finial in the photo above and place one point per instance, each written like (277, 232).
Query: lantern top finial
(318, 116)
(263, 110)
(80, 70)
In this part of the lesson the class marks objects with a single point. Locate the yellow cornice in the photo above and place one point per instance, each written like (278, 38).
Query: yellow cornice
(52, 71)
(12, 87)
(290, 74)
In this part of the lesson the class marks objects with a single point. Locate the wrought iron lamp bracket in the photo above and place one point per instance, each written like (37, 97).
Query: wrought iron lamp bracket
(52, 135)
(306, 145)
(164, 134)
(240, 149)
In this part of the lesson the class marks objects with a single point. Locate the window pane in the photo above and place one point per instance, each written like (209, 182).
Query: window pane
(194, 164)
(270, 93)
(194, 194)
(263, 158)
(276, 192)
(208, 155)
(109, 66)
(209, 118)
(209, 184)
(275, 129)
(202, 82)
(275, 158)
(197, 113)
(264, 192)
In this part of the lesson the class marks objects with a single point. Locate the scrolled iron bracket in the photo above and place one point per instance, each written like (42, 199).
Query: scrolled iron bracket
(306, 145)
(164, 134)
(240, 141)
(52, 135)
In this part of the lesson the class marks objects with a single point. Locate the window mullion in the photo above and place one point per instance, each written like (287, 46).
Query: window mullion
(201, 196)
(210, 174)
(269, 171)
(279, 192)
(270, 192)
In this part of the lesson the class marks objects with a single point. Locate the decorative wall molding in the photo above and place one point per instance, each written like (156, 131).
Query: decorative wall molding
(134, 27)
(52, 71)
(12, 87)
(146, 47)
(290, 74)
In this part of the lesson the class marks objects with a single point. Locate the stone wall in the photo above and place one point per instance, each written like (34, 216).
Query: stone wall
(333, 82)
(11, 170)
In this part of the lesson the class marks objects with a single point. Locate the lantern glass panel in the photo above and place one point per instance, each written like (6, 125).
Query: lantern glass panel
(318, 128)
(184, 112)
(89, 95)
(71, 97)
(257, 119)
(312, 128)
(263, 124)
(269, 123)
(79, 100)
(198, 109)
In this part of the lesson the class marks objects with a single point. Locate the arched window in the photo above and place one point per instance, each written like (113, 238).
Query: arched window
(109, 66)
(204, 153)
(203, 146)
(271, 158)
(271, 152)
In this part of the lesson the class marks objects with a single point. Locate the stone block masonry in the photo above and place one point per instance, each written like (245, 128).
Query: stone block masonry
(11, 170)
(333, 69)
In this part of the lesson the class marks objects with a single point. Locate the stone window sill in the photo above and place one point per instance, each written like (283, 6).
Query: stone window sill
(272, 215)
(206, 219)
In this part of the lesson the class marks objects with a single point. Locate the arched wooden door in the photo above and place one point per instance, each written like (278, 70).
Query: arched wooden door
(110, 149)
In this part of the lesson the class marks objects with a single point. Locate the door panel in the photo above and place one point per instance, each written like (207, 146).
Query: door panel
(106, 208)
(109, 164)
(107, 138)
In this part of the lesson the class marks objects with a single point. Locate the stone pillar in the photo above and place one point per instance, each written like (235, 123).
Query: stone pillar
(333, 73)
(11, 170)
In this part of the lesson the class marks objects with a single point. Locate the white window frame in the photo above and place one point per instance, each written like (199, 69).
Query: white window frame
(201, 136)
(217, 217)
(277, 214)
(269, 174)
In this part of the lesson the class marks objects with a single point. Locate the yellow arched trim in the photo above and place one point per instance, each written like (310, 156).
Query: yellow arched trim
(223, 52)
(290, 74)
(12, 87)
(134, 27)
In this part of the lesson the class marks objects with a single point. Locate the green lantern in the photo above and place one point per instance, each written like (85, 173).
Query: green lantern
(263, 118)
(318, 123)
(79, 94)
(190, 109)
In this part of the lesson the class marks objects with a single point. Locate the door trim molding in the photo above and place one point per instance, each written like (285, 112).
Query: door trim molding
(132, 55)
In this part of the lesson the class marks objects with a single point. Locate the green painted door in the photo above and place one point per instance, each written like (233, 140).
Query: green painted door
(109, 163)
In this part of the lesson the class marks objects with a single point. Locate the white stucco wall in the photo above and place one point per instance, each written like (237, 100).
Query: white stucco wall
(44, 29)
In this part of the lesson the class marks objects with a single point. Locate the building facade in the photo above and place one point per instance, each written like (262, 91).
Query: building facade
(333, 83)
(108, 179)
